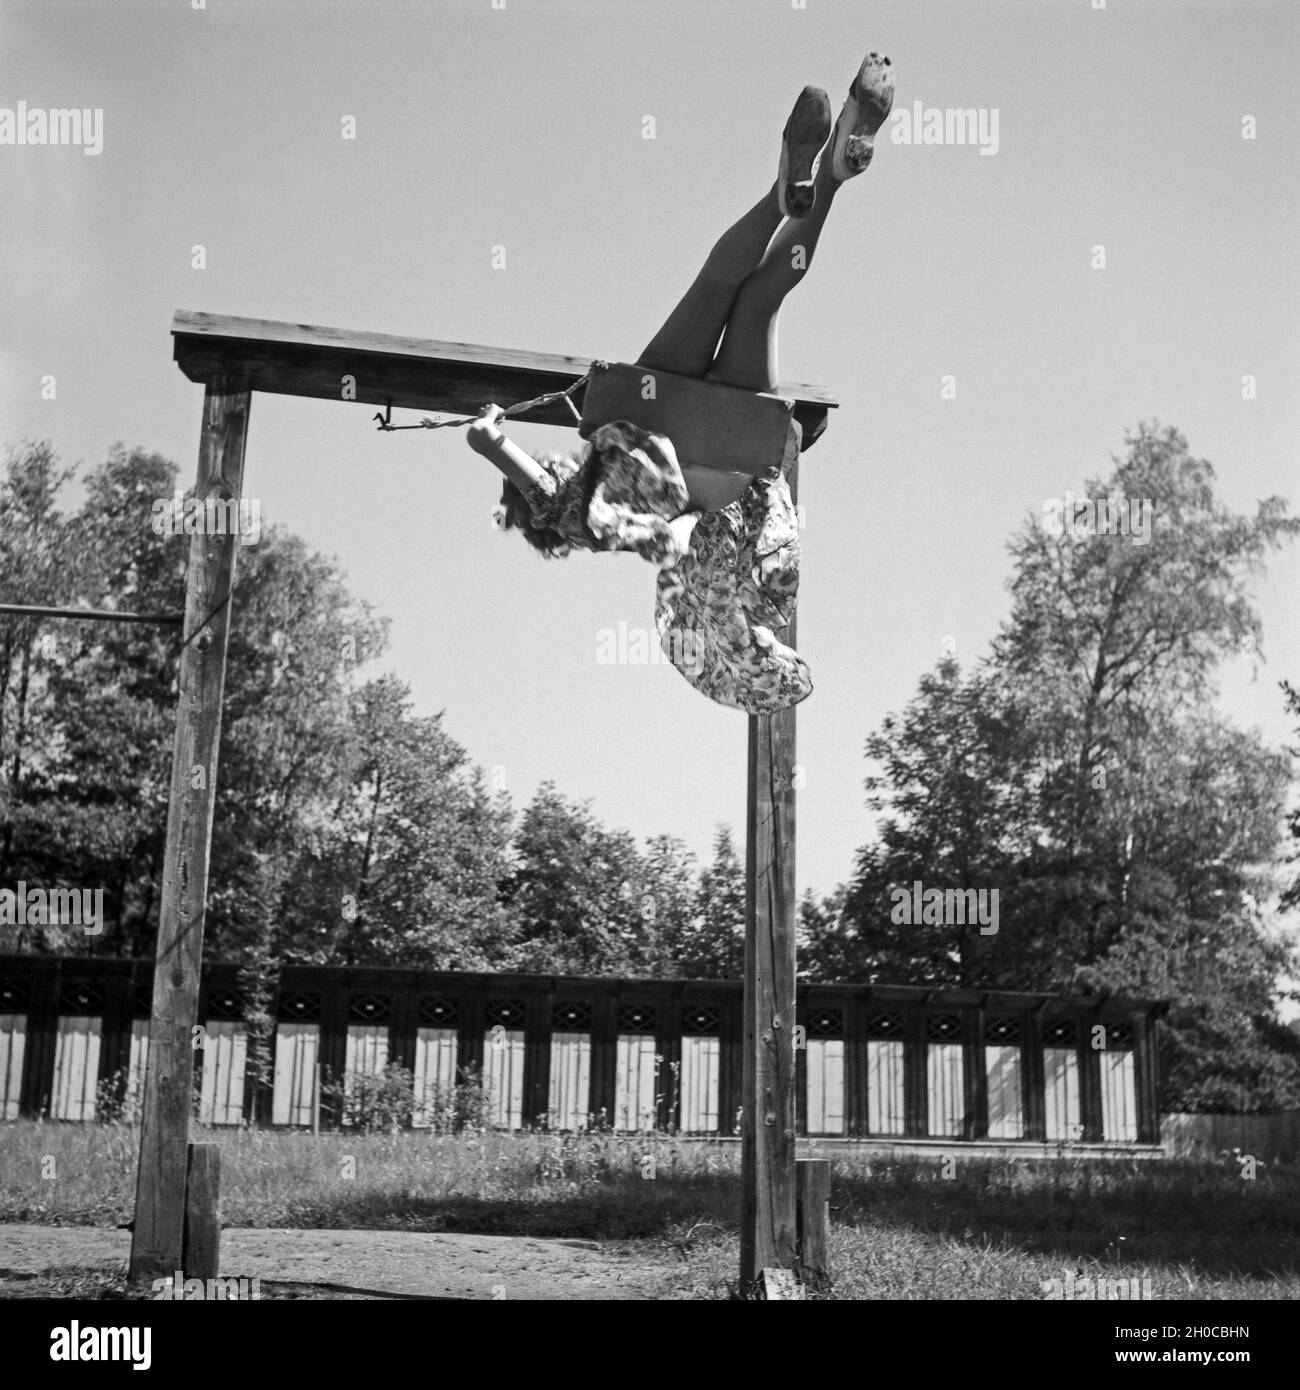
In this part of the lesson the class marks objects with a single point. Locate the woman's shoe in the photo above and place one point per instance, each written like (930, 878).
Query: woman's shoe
(805, 134)
(870, 100)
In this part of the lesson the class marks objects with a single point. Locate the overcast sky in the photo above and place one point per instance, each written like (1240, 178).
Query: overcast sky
(522, 127)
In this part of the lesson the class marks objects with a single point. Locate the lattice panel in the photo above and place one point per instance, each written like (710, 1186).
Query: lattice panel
(701, 1020)
(80, 997)
(943, 1027)
(1002, 1031)
(298, 1007)
(1119, 1037)
(886, 1023)
(1061, 1032)
(142, 1000)
(225, 1004)
(637, 1018)
(508, 1013)
(369, 1008)
(14, 995)
(825, 1023)
(571, 1017)
(439, 1013)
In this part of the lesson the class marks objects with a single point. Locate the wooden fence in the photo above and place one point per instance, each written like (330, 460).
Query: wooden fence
(878, 1061)
(1268, 1138)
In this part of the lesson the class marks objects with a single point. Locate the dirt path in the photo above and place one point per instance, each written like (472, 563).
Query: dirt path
(365, 1264)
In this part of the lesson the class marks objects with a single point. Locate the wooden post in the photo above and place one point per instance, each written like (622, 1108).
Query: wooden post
(201, 1249)
(977, 1072)
(1090, 1059)
(669, 1014)
(1032, 1096)
(916, 1091)
(1146, 1076)
(37, 1089)
(537, 1057)
(768, 1236)
(731, 1066)
(604, 1055)
(814, 1200)
(857, 1054)
(158, 1233)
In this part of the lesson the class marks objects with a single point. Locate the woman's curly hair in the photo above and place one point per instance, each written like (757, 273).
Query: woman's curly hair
(516, 515)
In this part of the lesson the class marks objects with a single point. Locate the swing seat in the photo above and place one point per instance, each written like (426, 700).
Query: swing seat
(724, 436)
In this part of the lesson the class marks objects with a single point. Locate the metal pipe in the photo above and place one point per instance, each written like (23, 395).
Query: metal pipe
(94, 615)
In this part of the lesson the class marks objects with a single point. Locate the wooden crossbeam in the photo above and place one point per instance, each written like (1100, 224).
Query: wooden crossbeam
(298, 359)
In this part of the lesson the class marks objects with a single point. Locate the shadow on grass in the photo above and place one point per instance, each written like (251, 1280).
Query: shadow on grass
(1133, 1214)
(277, 1289)
(1178, 1214)
(632, 1210)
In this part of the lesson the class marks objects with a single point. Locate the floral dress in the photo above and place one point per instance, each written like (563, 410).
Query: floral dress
(719, 603)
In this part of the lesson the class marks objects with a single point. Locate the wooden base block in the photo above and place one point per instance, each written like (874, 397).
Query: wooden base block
(813, 1189)
(781, 1284)
(201, 1251)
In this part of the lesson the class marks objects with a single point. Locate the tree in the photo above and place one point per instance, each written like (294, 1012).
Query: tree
(1109, 631)
(34, 569)
(575, 891)
(85, 777)
(715, 946)
(112, 698)
(408, 866)
(87, 717)
(1082, 771)
(829, 948)
(1291, 895)
(298, 640)
(954, 783)
(668, 908)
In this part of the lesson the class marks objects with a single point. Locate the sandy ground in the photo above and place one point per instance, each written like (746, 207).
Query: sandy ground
(373, 1264)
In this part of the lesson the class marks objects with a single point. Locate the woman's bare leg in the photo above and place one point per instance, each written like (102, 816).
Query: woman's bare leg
(748, 356)
(686, 342)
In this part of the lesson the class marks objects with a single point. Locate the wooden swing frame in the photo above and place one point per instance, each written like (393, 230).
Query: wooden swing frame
(234, 357)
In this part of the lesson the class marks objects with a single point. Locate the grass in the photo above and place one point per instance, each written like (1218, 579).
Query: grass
(998, 1229)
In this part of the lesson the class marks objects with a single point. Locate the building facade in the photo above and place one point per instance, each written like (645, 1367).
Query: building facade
(879, 1062)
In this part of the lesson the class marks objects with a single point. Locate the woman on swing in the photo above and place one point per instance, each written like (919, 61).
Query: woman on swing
(727, 578)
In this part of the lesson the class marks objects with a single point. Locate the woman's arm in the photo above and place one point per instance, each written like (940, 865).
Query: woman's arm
(485, 438)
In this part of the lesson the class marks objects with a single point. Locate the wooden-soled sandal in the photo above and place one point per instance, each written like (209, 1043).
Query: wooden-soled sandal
(804, 135)
(870, 100)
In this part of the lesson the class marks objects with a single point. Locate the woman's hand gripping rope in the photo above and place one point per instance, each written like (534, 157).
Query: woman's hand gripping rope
(483, 436)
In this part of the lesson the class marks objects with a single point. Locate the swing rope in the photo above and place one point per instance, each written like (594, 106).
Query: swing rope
(566, 396)
(384, 424)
